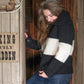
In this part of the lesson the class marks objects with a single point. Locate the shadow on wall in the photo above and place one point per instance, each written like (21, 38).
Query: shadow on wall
(32, 65)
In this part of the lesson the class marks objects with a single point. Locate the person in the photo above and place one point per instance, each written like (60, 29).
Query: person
(55, 39)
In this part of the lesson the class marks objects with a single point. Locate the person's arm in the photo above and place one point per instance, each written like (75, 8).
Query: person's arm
(66, 37)
(50, 49)
(31, 43)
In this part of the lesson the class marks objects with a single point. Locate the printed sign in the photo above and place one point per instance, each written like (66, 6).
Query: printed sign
(9, 47)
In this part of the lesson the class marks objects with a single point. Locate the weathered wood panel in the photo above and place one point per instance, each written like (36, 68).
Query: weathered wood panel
(75, 46)
(22, 47)
(80, 9)
(6, 66)
(1, 63)
(15, 28)
(4, 2)
(79, 61)
(14, 72)
(78, 76)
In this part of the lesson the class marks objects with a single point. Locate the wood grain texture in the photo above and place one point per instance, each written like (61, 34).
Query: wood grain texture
(22, 45)
(6, 66)
(80, 9)
(4, 2)
(14, 73)
(78, 76)
(1, 65)
(15, 28)
(79, 60)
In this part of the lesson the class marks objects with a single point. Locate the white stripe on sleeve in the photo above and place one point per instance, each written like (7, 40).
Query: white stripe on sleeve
(63, 52)
(51, 46)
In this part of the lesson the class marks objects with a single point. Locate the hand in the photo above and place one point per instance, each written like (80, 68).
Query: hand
(43, 74)
(26, 35)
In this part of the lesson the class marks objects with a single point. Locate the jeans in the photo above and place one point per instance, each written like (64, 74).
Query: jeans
(56, 79)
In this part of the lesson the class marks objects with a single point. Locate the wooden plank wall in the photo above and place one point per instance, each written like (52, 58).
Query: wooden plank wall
(78, 76)
(14, 73)
(69, 4)
(31, 27)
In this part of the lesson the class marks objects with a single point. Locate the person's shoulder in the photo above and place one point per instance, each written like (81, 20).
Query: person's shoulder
(64, 18)
(64, 14)
(53, 31)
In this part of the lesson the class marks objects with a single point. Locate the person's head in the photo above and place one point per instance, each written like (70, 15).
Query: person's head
(50, 10)
(47, 14)
(49, 17)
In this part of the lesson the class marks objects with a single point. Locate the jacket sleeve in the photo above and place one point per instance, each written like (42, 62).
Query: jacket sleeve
(65, 49)
(50, 49)
(33, 44)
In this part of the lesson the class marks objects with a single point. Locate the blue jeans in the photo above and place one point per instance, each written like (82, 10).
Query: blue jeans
(56, 79)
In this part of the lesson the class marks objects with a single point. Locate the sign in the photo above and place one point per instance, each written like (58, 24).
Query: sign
(9, 47)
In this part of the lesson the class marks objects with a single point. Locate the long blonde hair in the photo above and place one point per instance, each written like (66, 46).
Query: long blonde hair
(55, 7)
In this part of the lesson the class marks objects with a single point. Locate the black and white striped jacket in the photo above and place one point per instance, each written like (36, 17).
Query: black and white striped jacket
(58, 47)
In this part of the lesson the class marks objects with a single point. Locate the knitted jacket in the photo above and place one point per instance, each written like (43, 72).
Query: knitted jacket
(58, 47)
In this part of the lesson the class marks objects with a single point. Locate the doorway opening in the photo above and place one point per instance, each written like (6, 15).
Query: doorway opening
(32, 56)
